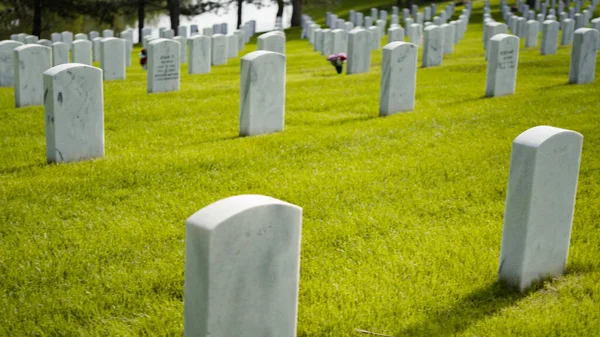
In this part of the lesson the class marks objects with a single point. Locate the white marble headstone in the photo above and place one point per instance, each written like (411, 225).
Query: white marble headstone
(262, 91)
(433, 46)
(415, 35)
(74, 113)
(531, 34)
(542, 184)
(112, 58)
(7, 62)
(568, 28)
(207, 31)
(232, 46)
(327, 42)
(163, 65)
(398, 78)
(359, 51)
(60, 53)
(108, 33)
(31, 39)
(82, 52)
(583, 56)
(219, 49)
(448, 38)
(45, 43)
(503, 59)
(30, 62)
(199, 61)
(67, 37)
(182, 48)
(375, 43)
(81, 36)
(96, 49)
(339, 41)
(549, 43)
(242, 268)
(395, 34)
(273, 41)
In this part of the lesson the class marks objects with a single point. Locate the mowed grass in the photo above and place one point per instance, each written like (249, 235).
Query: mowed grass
(402, 215)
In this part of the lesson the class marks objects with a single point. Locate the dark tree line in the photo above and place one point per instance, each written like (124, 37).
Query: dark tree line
(37, 12)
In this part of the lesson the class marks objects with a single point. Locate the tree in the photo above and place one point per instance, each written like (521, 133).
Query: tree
(296, 13)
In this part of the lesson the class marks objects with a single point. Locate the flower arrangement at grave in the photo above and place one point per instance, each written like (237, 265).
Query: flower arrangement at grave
(338, 61)
(143, 58)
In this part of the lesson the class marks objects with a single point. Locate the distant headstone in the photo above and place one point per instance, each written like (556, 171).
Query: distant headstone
(7, 62)
(398, 78)
(415, 35)
(80, 36)
(232, 45)
(503, 58)
(375, 43)
(542, 184)
(199, 54)
(433, 46)
(395, 34)
(74, 113)
(327, 42)
(168, 34)
(67, 37)
(596, 26)
(448, 38)
(60, 53)
(583, 56)
(318, 40)
(182, 48)
(493, 29)
(359, 19)
(568, 27)
(531, 34)
(549, 37)
(224, 28)
(219, 49)
(96, 49)
(273, 41)
(93, 34)
(240, 40)
(216, 28)
(340, 41)
(108, 33)
(207, 32)
(163, 65)
(112, 58)
(82, 52)
(30, 62)
(368, 21)
(262, 92)
(359, 51)
(127, 35)
(45, 43)
(22, 37)
(146, 31)
(182, 31)
(232, 248)
(31, 39)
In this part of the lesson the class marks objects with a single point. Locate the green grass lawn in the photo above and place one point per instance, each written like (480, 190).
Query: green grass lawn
(402, 215)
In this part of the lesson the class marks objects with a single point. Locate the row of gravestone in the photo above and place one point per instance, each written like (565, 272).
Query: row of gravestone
(242, 254)
(528, 26)
(73, 96)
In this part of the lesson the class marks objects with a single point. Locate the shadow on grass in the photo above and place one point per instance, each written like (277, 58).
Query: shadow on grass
(468, 100)
(340, 121)
(483, 302)
(20, 168)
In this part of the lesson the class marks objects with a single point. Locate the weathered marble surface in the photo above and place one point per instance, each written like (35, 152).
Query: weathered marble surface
(232, 45)
(542, 185)
(108, 33)
(568, 27)
(199, 47)
(60, 53)
(182, 48)
(549, 43)
(503, 59)
(339, 41)
(242, 268)
(532, 33)
(583, 56)
(96, 49)
(80, 36)
(275, 42)
(163, 65)
(219, 49)
(433, 46)
(448, 44)
(30, 62)
(82, 52)
(112, 58)
(74, 113)
(31, 39)
(262, 91)
(359, 51)
(7, 62)
(398, 78)
(375, 42)
(395, 34)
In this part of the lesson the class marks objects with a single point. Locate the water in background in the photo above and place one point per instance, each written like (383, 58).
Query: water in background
(265, 19)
